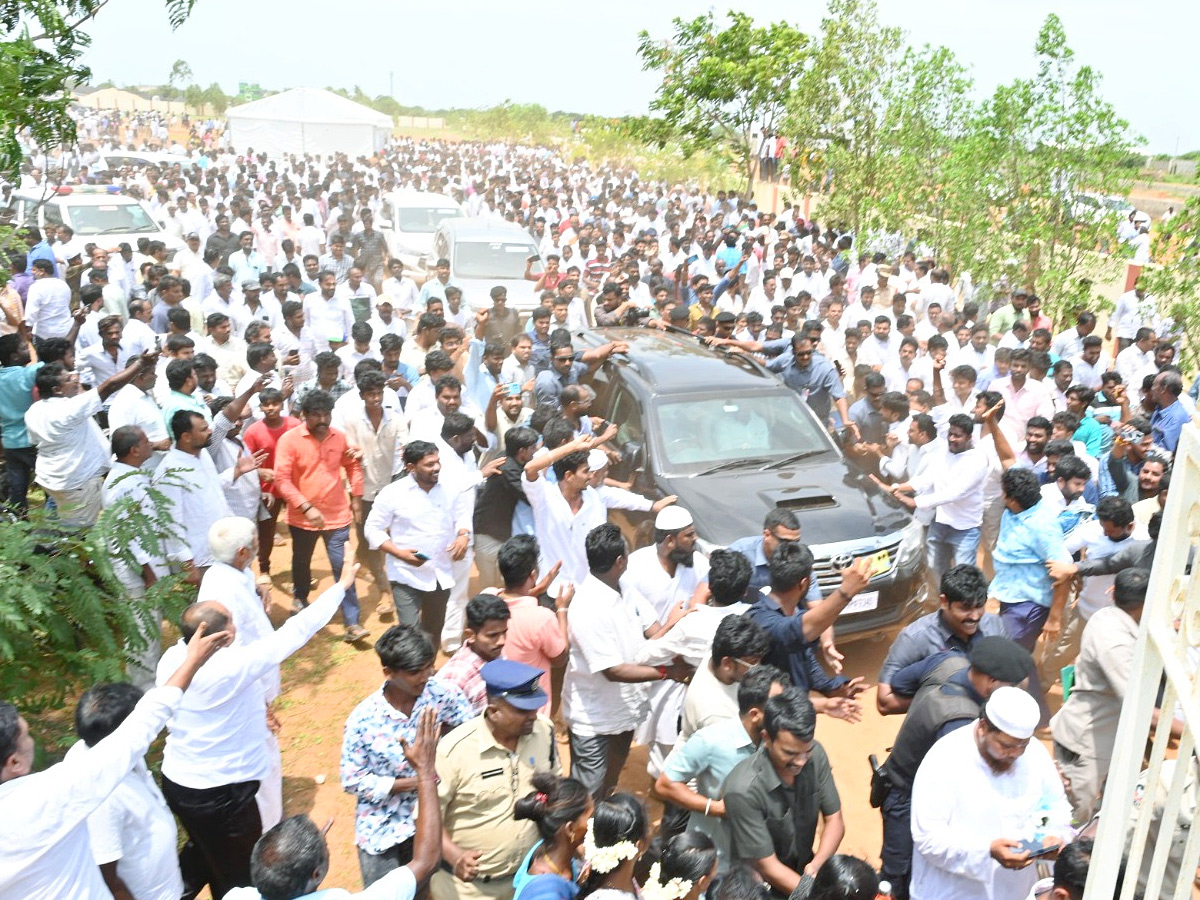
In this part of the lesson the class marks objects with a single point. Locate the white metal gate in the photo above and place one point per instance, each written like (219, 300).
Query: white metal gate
(1148, 819)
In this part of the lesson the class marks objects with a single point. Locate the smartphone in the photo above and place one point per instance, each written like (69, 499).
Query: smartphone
(421, 556)
(1035, 849)
(514, 389)
(691, 260)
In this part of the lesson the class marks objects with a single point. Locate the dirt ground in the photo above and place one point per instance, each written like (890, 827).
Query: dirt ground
(323, 682)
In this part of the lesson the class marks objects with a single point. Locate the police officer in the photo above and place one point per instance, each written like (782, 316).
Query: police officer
(953, 690)
(484, 766)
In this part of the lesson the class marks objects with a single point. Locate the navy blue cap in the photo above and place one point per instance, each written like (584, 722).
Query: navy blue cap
(515, 683)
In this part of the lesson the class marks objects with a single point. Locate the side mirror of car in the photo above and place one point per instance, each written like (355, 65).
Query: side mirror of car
(633, 461)
(384, 223)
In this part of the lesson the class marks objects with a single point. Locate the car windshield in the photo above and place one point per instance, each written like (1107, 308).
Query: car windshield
(110, 218)
(495, 259)
(699, 433)
(423, 219)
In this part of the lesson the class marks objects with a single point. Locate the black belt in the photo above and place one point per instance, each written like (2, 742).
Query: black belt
(485, 879)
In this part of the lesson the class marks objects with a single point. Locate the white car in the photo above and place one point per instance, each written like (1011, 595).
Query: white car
(409, 219)
(484, 255)
(97, 213)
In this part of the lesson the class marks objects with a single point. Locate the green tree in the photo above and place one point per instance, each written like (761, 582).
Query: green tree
(1035, 146)
(180, 77)
(721, 85)
(41, 45)
(60, 624)
(841, 109)
(1173, 278)
(216, 97)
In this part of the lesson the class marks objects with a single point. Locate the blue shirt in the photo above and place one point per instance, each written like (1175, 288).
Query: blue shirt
(818, 384)
(548, 386)
(760, 570)
(1166, 424)
(789, 650)
(927, 637)
(40, 250)
(1027, 541)
(708, 756)
(16, 396)
(869, 421)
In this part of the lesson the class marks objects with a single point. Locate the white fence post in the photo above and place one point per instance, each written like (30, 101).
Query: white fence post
(1147, 819)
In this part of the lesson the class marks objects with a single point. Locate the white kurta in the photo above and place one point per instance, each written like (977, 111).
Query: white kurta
(647, 579)
(959, 806)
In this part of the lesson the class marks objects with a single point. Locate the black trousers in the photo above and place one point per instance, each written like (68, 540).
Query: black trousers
(222, 825)
(19, 464)
(896, 854)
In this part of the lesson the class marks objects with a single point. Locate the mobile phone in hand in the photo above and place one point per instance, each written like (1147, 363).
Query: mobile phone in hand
(421, 556)
(1035, 849)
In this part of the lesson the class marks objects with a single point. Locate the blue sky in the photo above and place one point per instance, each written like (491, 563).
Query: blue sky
(582, 57)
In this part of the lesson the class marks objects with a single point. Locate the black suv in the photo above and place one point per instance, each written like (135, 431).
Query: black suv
(732, 441)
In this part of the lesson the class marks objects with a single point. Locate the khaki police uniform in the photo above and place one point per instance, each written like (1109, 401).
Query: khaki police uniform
(480, 783)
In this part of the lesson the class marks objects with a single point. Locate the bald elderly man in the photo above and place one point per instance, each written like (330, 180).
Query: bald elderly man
(216, 753)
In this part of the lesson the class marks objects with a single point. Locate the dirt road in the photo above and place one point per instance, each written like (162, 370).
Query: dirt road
(324, 681)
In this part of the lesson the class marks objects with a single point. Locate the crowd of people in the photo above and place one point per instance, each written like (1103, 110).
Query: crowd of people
(446, 458)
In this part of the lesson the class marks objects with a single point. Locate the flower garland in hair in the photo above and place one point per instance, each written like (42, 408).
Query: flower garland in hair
(605, 859)
(675, 889)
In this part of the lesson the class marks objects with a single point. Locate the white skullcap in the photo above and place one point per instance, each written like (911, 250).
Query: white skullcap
(1014, 712)
(787, 273)
(597, 460)
(672, 518)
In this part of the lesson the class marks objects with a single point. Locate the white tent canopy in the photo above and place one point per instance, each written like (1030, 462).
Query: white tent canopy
(307, 120)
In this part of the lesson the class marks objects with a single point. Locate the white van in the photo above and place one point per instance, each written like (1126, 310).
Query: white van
(97, 213)
(408, 220)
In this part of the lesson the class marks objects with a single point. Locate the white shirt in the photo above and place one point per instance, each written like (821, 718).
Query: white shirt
(47, 853)
(646, 579)
(953, 828)
(969, 356)
(403, 292)
(955, 489)
(48, 307)
(328, 320)
(398, 884)
(1087, 374)
(135, 829)
(235, 590)
(561, 532)
(605, 629)
(71, 447)
(133, 406)
(1130, 363)
(195, 501)
(219, 734)
(1130, 314)
(415, 519)
(1094, 596)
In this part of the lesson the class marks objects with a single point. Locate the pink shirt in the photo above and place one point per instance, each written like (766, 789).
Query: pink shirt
(1033, 399)
(534, 638)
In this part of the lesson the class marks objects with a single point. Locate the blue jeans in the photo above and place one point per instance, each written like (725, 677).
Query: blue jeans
(946, 547)
(304, 542)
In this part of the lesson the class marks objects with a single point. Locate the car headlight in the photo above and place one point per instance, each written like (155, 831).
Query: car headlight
(912, 546)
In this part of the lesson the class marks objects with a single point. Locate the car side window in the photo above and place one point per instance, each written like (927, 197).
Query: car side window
(627, 415)
(52, 214)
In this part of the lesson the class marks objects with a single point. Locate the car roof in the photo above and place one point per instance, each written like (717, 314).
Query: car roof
(79, 198)
(421, 198)
(673, 362)
(474, 230)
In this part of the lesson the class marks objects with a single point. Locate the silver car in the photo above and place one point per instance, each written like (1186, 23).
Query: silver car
(486, 254)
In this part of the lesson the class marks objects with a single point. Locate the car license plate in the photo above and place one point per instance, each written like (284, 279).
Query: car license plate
(880, 563)
(862, 603)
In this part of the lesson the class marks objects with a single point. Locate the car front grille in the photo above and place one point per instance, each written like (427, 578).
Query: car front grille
(829, 577)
